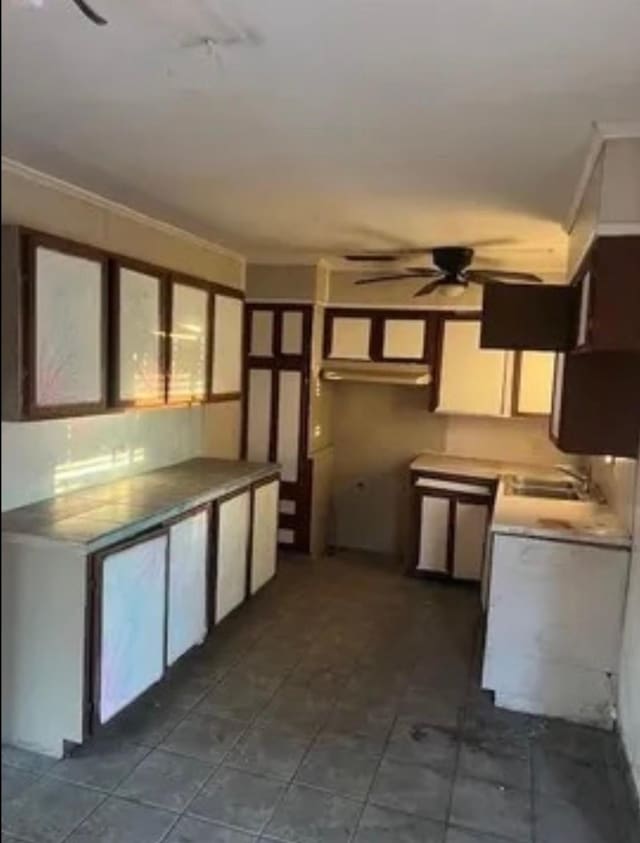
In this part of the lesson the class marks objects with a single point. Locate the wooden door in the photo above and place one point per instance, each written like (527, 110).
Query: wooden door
(188, 584)
(130, 618)
(472, 379)
(471, 522)
(233, 524)
(264, 534)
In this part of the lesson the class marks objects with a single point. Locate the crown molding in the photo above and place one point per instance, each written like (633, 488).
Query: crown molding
(601, 132)
(14, 167)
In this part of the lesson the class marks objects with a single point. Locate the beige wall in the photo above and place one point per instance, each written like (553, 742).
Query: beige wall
(46, 458)
(281, 283)
(378, 430)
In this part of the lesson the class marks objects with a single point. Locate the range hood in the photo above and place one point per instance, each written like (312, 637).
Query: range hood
(400, 374)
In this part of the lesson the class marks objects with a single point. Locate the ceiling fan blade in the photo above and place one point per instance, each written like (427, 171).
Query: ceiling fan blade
(88, 12)
(378, 257)
(398, 277)
(426, 272)
(501, 275)
(431, 287)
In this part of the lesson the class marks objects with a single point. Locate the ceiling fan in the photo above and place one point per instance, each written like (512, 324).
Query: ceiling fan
(88, 12)
(450, 274)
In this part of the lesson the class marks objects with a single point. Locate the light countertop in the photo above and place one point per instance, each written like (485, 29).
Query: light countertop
(98, 516)
(579, 521)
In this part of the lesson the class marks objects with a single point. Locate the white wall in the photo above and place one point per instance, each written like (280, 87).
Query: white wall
(44, 458)
(629, 703)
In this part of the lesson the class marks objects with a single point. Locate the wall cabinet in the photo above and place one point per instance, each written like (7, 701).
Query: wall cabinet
(188, 579)
(85, 331)
(130, 623)
(380, 336)
(595, 403)
(472, 380)
(450, 522)
(54, 327)
(609, 309)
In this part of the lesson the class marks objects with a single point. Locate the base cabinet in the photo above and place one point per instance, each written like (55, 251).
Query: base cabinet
(234, 519)
(130, 618)
(264, 534)
(451, 519)
(187, 604)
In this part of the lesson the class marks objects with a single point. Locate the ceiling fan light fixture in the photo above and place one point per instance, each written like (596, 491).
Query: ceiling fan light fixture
(452, 290)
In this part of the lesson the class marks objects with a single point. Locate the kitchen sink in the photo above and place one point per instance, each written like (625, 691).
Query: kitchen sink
(532, 487)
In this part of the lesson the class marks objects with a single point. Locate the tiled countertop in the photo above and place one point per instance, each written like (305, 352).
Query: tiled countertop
(579, 521)
(96, 517)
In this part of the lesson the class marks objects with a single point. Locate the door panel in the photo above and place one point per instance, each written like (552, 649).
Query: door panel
(188, 565)
(132, 623)
(259, 415)
(264, 534)
(434, 534)
(470, 537)
(261, 344)
(292, 335)
(289, 406)
(233, 546)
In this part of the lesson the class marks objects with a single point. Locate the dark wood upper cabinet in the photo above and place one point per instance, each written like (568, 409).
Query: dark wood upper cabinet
(529, 317)
(608, 317)
(596, 403)
(54, 327)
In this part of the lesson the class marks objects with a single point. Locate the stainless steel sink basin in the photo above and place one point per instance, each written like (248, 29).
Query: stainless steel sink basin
(532, 487)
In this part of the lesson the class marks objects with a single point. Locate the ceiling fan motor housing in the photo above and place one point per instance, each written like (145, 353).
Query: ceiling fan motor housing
(452, 260)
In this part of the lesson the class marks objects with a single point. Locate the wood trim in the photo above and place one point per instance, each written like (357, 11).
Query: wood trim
(31, 409)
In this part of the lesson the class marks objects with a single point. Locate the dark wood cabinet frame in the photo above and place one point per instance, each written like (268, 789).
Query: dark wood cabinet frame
(111, 400)
(454, 497)
(299, 491)
(30, 242)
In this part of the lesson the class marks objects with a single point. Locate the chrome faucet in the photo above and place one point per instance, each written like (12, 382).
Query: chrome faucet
(583, 477)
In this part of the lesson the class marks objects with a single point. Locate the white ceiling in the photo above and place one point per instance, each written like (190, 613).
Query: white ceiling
(351, 123)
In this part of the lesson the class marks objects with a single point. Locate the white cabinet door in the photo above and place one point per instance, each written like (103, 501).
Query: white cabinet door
(403, 339)
(187, 602)
(558, 387)
(350, 337)
(472, 379)
(289, 424)
(535, 383)
(132, 623)
(226, 365)
(433, 534)
(68, 342)
(470, 538)
(233, 546)
(264, 535)
(189, 338)
(585, 307)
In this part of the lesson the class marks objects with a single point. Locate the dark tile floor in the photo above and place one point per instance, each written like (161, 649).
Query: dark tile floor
(341, 705)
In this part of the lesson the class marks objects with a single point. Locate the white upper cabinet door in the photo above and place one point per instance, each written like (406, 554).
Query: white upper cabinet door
(132, 623)
(233, 546)
(292, 332)
(403, 339)
(189, 341)
(188, 566)
(434, 534)
(585, 310)
(140, 379)
(350, 338)
(69, 331)
(226, 374)
(264, 535)
(261, 342)
(558, 387)
(470, 539)
(472, 379)
(535, 383)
